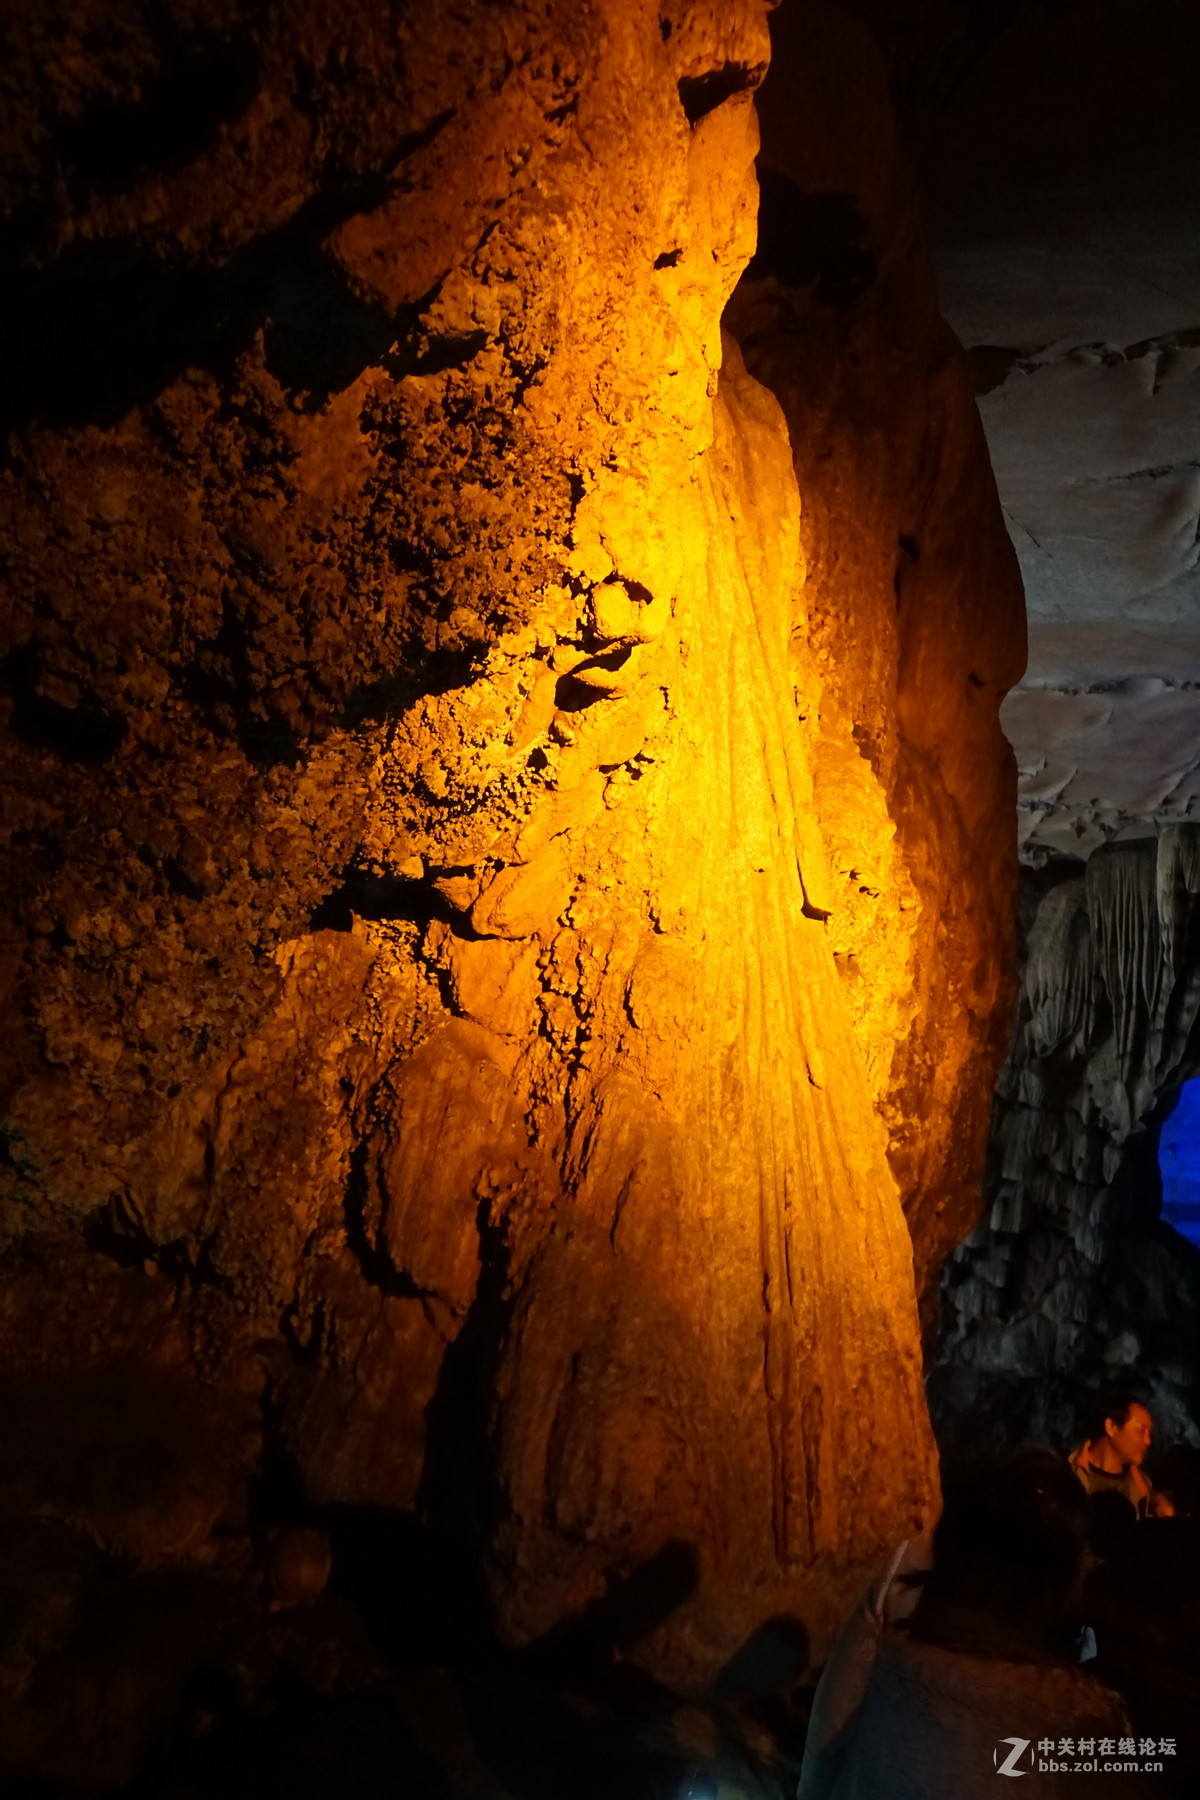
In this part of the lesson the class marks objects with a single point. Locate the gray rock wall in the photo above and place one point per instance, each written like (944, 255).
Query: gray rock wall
(1071, 1283)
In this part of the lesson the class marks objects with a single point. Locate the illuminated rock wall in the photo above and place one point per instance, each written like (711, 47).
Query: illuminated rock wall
(915, 626)
(429, 1044)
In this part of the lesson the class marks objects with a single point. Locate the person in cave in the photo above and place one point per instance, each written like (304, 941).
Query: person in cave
(916, 1698)
(1110, 1458)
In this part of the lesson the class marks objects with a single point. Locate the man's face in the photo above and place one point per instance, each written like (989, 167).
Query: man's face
(1132, 1439)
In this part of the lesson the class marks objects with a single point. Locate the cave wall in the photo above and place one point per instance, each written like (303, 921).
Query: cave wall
(1071, 1284)
(914, 619)
(493, 951)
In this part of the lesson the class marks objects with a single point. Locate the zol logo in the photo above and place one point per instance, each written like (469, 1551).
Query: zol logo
(1009, 1766)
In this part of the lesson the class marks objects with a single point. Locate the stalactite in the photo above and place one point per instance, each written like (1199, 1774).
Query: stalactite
(1106, 1028)
(1060, 980)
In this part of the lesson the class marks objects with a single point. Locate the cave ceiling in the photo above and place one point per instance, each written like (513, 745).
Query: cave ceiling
(1060, 166)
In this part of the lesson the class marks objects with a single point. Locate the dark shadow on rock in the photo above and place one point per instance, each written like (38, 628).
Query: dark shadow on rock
(201, 80)
(88, 733)
(818, 241)
(762, 1686)
(628, 1613)
(391, 1681)
(421, 1599)
(309, 1747)
(564, 1715)
(106, 326)
(364, 895)
(772, 1660)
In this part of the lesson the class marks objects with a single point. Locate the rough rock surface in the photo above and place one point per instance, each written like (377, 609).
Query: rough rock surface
(1070, 1283)
(914, 621)
(455, 1052)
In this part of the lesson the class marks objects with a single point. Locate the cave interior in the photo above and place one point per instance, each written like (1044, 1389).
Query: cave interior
(600, 738)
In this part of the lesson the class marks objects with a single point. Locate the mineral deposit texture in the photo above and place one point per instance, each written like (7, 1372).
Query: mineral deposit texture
(492, 953)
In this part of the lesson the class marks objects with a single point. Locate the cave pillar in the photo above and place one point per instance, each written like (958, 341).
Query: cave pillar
(422, 934)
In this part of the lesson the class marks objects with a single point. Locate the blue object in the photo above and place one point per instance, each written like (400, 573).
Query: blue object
(1179, 1162)
(698, 1786)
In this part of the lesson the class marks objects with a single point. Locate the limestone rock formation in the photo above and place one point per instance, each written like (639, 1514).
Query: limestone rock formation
(461, 1013)
(914, 618)
(1070, 1282)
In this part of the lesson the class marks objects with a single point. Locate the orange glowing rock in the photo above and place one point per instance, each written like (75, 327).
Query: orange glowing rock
(441, 975)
